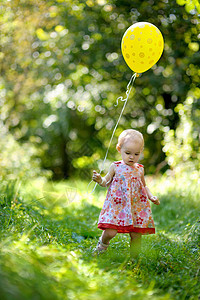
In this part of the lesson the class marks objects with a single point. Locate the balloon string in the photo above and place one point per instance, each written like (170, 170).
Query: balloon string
(128, 89)
(125, 100)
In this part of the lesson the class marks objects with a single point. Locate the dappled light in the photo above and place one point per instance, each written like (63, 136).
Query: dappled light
(65, 65)
(50, 246)
(63, 72)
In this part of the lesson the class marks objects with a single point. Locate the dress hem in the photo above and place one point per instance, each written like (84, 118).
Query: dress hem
(126, 229)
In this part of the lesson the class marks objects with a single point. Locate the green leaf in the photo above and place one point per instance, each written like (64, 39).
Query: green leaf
(189, 7)
(181, 2)
(41, 34)
(198, 8)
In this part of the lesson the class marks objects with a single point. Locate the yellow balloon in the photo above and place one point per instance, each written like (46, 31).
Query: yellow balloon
(142, 46)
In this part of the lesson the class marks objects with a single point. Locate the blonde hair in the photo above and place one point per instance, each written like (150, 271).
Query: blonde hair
(130, 134)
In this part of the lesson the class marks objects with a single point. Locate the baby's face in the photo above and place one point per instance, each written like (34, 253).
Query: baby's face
(130, 152)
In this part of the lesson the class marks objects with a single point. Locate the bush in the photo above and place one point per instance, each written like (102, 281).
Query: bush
(18, 161)
(182, 145)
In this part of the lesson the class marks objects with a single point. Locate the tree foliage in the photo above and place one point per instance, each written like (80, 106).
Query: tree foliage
(62, 71)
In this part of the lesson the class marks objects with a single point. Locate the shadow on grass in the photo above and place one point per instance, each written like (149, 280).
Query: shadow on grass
(167, 262)
(170, 266)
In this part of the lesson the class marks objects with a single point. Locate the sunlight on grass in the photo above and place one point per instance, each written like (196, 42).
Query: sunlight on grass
(49, 230)
(184, 186)
(70, 193)
(65, 276)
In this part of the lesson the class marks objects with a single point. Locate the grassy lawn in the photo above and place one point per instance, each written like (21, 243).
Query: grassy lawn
(48, 232)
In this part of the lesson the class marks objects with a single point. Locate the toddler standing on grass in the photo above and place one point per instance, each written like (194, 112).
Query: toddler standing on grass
(126, 208)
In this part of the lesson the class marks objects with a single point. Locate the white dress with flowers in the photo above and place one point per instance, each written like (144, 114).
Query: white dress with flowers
(126, 207)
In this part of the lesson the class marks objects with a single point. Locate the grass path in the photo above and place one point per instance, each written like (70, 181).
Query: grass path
(49, 231)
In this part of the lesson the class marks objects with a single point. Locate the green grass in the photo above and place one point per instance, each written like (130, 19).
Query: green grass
(48, 232)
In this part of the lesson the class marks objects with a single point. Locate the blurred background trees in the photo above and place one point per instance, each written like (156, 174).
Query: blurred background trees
(62, 71)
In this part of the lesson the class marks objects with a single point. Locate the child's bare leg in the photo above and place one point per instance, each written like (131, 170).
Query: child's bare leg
(107, 235)
(104, 240)
(135, 244)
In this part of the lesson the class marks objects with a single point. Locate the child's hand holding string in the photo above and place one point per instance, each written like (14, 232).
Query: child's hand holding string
(155, 200)
(97, 177)
(104, 181)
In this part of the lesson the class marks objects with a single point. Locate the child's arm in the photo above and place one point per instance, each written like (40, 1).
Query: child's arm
(153, 199)
(105, 180)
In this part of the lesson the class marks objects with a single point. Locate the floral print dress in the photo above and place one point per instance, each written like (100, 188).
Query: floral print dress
(126, 207)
